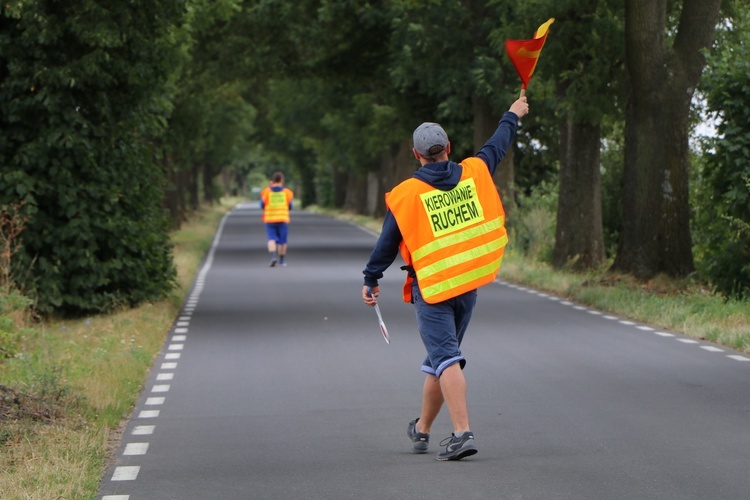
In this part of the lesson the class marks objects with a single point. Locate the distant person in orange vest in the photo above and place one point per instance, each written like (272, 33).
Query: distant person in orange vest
(276, 202)
(448, 222)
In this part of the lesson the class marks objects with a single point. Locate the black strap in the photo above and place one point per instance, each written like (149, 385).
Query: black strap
(410, 270)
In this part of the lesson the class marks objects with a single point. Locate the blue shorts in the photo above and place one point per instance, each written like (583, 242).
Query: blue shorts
(442, 327)
(277, 231)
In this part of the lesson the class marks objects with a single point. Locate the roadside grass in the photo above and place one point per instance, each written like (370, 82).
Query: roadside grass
(682, 306)
(75, 381)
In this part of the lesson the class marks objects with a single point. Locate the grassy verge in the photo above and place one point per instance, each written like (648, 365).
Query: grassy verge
(676, 305)
(679, 305)
(65, 396)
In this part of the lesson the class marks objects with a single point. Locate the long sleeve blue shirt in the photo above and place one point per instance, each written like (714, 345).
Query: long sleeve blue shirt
(443, 175)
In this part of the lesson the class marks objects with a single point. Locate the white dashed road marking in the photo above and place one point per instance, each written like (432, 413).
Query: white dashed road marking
(130, 473)
(610, 317)
(126, 473)
(135, 449)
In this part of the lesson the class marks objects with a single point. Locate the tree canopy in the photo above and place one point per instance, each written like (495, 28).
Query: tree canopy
(119, 118)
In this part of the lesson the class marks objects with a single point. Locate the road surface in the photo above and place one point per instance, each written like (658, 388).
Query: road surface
(275, 383)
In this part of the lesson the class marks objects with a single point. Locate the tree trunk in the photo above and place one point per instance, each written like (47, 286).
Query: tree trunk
(172, 193)
(579, 235)
(404, 165)
(395, 167)
(193, 187)
(309, 188)
(208, 184)
(356, 193)
(340, 180)
(227, 178)
(485, 124)
(505, 178)
(655, 235)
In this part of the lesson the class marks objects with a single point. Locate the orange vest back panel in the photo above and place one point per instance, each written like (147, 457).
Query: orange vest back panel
(453, 239)
(276, 205)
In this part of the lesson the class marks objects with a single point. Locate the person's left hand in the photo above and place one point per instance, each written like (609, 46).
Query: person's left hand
(520, 107)
(370, 300)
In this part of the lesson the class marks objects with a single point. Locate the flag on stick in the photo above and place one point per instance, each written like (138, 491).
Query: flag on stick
(524, 54)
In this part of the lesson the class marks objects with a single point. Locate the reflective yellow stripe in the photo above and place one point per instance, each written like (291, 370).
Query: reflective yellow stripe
(277, 208)
(276, 199)
(453, 239)
(455, 282)
(460, 258)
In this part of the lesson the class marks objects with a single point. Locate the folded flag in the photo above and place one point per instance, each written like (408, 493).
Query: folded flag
(524, 54)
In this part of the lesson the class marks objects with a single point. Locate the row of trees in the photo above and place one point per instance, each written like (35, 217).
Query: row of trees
(119, 117)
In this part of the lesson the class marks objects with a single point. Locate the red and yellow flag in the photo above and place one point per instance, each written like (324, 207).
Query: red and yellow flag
(524, 54)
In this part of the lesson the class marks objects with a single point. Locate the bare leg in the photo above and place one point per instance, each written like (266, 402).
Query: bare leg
(432, 401)
(453, 386)
(271, 246)
(282, 250)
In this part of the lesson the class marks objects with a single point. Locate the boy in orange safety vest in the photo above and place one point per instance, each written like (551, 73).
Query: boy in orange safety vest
(276, 202)
(448, 223)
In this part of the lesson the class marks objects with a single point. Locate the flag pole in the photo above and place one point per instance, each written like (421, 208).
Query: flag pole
(523, 93)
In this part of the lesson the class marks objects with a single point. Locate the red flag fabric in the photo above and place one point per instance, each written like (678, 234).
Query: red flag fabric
(524, 54)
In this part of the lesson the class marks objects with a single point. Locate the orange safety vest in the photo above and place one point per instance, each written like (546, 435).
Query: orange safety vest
(276, 204)
(454, 240)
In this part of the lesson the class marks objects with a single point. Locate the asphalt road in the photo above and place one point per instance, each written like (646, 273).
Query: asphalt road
(275, 383)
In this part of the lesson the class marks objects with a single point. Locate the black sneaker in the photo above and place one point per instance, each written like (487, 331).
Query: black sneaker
(419, 441)
(457, 448)
(274, 260)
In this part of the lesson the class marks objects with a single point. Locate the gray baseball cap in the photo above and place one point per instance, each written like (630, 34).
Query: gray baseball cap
(430, 139)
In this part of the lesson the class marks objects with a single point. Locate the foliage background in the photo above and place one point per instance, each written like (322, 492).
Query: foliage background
(119, 119)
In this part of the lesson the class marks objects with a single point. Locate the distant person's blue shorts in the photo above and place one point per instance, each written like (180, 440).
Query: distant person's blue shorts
(277, 231)
(442, 327)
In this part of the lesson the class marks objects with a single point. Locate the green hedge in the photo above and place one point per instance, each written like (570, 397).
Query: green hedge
(84, 96)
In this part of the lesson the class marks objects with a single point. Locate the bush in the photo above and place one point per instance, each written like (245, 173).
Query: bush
(80, 108)
(11, 305)
(723, 213)
(532, 224)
